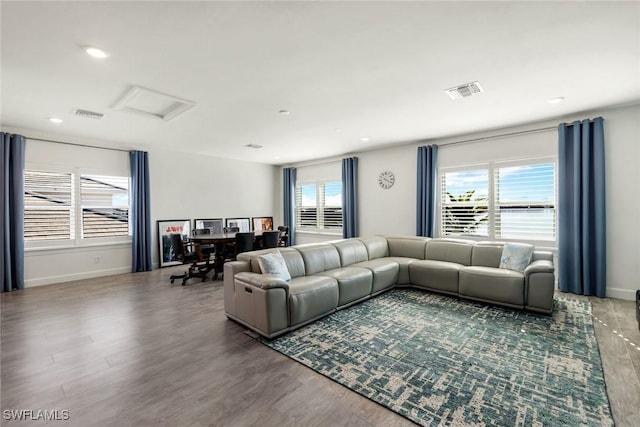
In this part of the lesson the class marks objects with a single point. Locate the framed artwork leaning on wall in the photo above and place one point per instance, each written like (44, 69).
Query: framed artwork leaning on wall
(166, 228)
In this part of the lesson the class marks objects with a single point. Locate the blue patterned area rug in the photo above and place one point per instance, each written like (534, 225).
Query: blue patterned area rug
(439, 360)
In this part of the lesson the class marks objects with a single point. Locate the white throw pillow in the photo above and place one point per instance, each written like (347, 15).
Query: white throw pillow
(516, 256)
(273, 263)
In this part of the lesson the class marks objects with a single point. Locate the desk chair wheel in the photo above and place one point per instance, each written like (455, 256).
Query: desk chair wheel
(172, 280)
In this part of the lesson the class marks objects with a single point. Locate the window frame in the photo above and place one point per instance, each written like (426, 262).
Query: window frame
(492, 168)
(76, 212)
(320, 208)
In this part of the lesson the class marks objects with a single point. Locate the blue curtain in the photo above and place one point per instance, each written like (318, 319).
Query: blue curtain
(581, 208)
(426, 200)
(140, 212)
(350, 197)
(289, 196)
(12, 212)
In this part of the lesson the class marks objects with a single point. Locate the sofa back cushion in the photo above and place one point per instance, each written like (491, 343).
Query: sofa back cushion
(351, 251)
(450, 250)
(292, 258)
(377, 246)
(407, 247)
(319, 257)
(486, 254)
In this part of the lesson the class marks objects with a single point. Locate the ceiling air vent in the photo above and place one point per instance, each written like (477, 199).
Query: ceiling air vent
(256, 146)
(88, 114)
(464, 90)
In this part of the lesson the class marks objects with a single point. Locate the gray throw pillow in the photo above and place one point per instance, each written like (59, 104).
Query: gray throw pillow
(516, 256)
(273, 263)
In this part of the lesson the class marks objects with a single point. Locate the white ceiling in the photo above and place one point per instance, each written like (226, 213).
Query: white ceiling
(373, 69)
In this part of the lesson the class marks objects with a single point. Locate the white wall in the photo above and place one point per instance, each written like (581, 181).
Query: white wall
(392, 212)
(190, 186)
(183, 185)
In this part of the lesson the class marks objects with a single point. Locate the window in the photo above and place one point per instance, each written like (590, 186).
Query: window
(319, 206)
(500, 200)
(105, 206)
(53, 212)
(48, 201)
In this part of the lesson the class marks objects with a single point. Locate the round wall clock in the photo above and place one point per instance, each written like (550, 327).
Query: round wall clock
(386, 179)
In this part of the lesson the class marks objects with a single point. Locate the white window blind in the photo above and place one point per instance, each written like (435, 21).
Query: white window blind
(525, 202)
(105, 206)
(517, 203)
(319, 206)
(464, 207)
(48, 201)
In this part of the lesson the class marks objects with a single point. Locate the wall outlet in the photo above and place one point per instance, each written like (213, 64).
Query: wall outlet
(96, 260)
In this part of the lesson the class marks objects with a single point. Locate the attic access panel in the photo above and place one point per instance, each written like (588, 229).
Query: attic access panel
(153, 103)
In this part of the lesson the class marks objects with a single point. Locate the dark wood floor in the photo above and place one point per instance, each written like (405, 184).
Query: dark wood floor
(134, 350)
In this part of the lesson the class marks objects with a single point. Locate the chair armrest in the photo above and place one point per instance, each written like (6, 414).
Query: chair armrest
(540, 266)
(262, 281)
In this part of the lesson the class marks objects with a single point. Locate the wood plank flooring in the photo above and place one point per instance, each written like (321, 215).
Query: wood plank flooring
(134, 350)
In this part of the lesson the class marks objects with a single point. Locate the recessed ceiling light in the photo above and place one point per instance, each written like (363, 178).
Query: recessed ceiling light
(276, 157)
(284, 112)
(96, 52)
(556, 100)
(339, 130)
(55, 120)
(365, 139)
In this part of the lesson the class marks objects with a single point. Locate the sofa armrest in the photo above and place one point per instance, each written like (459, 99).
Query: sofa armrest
(540, 266)
(262, 281)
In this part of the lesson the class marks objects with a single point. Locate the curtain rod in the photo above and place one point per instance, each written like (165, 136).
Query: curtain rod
(77, 145)
(502, 135)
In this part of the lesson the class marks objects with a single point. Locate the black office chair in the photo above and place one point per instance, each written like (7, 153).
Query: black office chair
(231, 229)
(270, 239)
(187, 254)
(284, 235)
(244, 242)
(206, 250)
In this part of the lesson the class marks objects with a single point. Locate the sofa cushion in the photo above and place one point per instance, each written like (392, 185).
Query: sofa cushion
(450, 250)
(407, 247)
(377, 246)
(273, 263)
(319, 257)
(311, 297)
(492, 285)
(440, 276)
(385, 273)
(403, 268)
(351, 251)
(487, 254)
(516, 256)
(354, 283)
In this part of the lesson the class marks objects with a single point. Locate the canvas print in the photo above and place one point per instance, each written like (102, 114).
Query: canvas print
(165, 229)
(242, 223)
(263, 223)
(214, 226)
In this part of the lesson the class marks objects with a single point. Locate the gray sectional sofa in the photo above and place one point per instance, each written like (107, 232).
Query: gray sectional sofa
(326, 277)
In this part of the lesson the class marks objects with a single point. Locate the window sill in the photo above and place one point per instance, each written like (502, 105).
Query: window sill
(78, 247)
(320, 233)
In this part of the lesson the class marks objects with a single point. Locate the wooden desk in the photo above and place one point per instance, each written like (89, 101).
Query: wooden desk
(218, 240)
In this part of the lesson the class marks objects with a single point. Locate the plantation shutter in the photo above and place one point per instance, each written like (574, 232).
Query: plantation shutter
(47, 206)
(463, 198)
(332, 205)
(525, 202)
(105, 206)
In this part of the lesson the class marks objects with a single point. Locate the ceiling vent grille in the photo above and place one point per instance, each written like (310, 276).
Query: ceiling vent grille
(256, 146)
(464, 91)
(88, 114)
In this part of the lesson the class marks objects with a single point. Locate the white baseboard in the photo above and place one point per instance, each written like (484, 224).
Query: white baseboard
(75, 276)
(626, 294)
